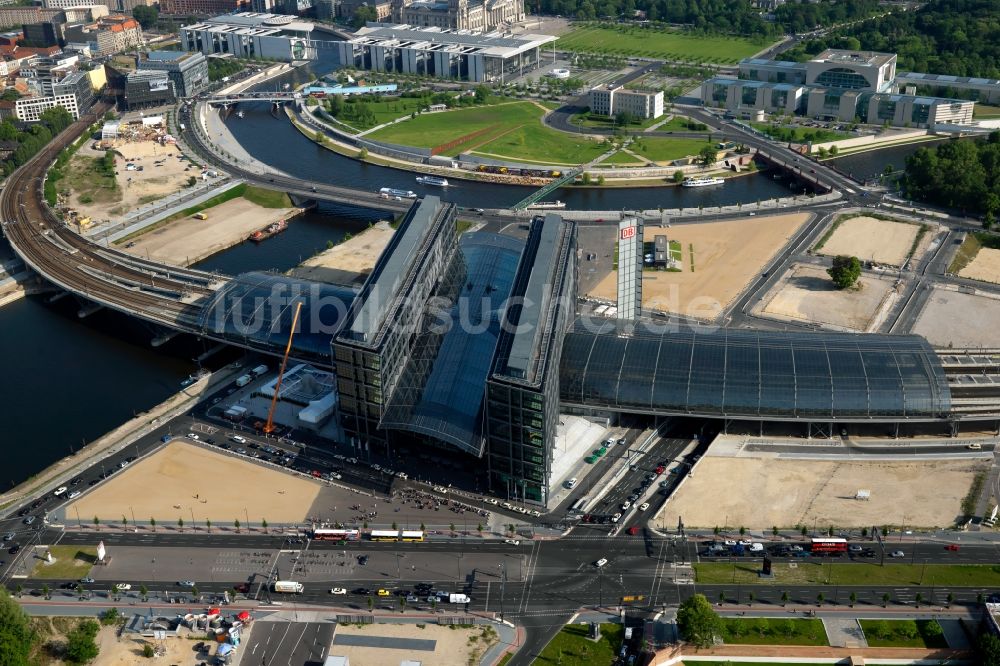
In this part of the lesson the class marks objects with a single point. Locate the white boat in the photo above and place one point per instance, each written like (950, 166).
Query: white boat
(702, 182)
(432, 180)
(393, 192)
(541, 205)
(239, 114)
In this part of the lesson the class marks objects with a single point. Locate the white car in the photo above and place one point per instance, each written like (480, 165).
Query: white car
(729, 542)
(643, 506)
(402, 475)
(440, 489)
(490, 500)
(745, 542)
(626, 504)
(239, 439)
(795, 549)
(513, 542)
(123, 587)
(615, 518)
(897, 553)
(338, 590)
(74, 494)
(191, 435)
(571, 482)
(601, 562)
(60, 490)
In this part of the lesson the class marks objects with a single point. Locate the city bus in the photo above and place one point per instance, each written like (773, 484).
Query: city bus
(412, 535)
(829, 545)
(384, 535)
(336, 535)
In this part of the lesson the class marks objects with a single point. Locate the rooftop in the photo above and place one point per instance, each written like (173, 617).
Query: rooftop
(870, 58)
(254, 20)
(170, 56)
(431, 38)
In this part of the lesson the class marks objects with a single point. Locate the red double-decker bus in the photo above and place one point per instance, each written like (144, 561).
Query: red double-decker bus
(336, 535)
(829, 545)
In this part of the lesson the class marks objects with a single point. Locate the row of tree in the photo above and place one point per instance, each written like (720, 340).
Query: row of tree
(959, 37)
(719, 16)
(31, 139)
(960, 174)
(18, 639)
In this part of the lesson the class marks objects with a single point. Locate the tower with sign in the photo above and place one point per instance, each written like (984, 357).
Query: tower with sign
(629, 268)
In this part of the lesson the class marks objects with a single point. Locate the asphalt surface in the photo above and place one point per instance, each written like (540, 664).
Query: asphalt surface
(287, 643)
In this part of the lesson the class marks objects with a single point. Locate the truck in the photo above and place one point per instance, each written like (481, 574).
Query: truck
(459, 599)
(288, 587)
(259, 370)
(243, 380)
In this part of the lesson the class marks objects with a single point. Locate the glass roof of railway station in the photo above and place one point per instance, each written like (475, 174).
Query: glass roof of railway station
(255, 310)
(737, 373)
(440, 392)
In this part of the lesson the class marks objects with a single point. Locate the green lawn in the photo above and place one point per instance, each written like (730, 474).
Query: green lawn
(70, 562)
(771, 631)
(435, 129)
(680, 124)
(629, 40)
(386, 110)
(983, 111)
(663, 150)
(817, 572)
(610, 124)
(571, 647)
(903, 633)
(534, 142)
(267, 198)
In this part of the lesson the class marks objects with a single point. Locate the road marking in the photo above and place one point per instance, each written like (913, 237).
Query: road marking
(530, 574)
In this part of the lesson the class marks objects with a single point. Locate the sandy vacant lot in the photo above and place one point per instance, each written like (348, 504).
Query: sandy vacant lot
(128, 651)
(188, 240)
(985, 266)
(349, 261)
(727, 255)
(807, 294)
(182, 478)
(761, 492)
(951, 318)
(137, 187)
(452, 647)
(871, 239)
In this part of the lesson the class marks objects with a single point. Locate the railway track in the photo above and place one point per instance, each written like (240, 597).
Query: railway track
(162, 294)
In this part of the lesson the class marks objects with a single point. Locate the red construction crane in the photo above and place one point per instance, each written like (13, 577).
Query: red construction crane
(269, 426)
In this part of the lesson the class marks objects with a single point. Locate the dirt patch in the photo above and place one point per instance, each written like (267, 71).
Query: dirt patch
(164, 171)
(872, 239)
(349, 261)
(188, 240)
(718, 259)
(127, 651)
(985, 266)
(955, 319)
(808, 294)
(765, 491)
(182, 479)
(453, 646)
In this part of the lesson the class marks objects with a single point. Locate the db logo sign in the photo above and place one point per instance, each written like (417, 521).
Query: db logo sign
(628, 232)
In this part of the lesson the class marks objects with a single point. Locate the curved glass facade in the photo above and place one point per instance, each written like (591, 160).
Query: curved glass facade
(737, 373)
(255, 310)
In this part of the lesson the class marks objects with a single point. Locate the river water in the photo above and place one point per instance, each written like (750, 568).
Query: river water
(68, 380)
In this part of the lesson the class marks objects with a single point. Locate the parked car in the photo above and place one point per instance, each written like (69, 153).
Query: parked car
(338, 591)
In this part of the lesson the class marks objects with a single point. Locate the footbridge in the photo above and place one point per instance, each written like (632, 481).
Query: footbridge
(262, 96)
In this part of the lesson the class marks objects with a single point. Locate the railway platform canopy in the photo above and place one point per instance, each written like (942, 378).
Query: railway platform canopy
(649, 368)
(255, 310)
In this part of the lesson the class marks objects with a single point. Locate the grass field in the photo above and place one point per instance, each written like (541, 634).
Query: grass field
(534, 142)
(571, 647)
(984, 111)
(664, 150)
(830, 573)
(800, 134)
(609, 123)
(434, 129)
(782, 631)
(903, 633)
(267, 198)
(652, 43)
(70, 562)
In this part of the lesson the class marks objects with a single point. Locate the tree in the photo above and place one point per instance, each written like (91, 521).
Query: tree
(774, 531)
(951, 599)
(97, 522)
(80, 644)
(208, 525)
(144, 592)
(148, 651)
(989, 650)
(452, 527)
(845, 271)
(402, 603)
(194, 592)
(784, 598)
(263, 523)
(362, 15)
(697, 621)
(146, 16)
(820, 598)
(804, 530)
(625, 118)
(885, 599)
(236, 523)
(716, 530)
(743, 530)
(919, 598)
(707, 155)
(124, 522)
(180, 524)
(152, 523)
(479, 528)
(482, 94)
(371, 605)
(853, 598)
(46, 591)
